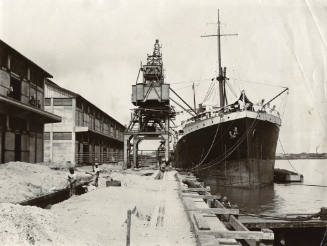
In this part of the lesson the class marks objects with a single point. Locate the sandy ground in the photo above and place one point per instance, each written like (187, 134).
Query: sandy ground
(99, 216)
(20, 180)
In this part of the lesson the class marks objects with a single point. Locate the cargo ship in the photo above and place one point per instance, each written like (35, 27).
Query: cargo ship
(234, 142)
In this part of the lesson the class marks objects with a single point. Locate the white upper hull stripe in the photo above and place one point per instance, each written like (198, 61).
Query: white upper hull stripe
(191, 127)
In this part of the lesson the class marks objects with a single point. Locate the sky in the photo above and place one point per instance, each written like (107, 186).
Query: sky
(94, 47)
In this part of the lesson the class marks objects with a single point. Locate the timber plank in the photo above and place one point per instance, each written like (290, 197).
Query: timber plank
(195, 189)
(225, 211)
(255, 223)
(202, 196)
(200, 222)
(254, 235)
(238, 225)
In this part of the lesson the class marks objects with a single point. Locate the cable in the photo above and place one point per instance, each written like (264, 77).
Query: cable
(281, 145)
(324, 240)
(187, 86)
(196, 80)
(231, 89)
(230, 150)
(257, 82)
(209, 91)
(286, 101)
(214, 139)
(224, 156)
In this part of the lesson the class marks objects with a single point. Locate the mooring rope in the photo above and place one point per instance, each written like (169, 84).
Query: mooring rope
(281, 145)
(232, 148)
(212, 143)
(324, 240)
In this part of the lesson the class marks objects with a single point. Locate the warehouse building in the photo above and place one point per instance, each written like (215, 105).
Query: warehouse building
(22, 114)
(86, 133)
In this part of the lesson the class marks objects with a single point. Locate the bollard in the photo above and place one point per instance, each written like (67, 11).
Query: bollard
(128, 237)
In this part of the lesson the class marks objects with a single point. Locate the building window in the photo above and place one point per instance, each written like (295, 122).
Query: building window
(46, 136)
(47, 101)
(15, 89)
(17, 124)
(62, 101)
(62, 136)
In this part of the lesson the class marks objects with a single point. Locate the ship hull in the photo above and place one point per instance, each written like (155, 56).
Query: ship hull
(239, 152)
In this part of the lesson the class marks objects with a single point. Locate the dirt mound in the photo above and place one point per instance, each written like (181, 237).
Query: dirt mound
(20, 181)
(27, 225)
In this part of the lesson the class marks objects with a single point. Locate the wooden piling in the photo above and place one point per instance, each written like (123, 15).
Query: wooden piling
(128, 236)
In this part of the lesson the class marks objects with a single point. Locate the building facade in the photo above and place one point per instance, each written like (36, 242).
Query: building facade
(86, 133)
(22, 114)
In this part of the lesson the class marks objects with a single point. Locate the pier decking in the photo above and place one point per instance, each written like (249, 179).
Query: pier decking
(206, 214)
(215, 224)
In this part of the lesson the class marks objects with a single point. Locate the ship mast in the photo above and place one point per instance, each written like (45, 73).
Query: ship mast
(221, 72)
(221, 77)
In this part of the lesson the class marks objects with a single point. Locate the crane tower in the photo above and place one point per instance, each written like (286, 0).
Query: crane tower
(152, 114)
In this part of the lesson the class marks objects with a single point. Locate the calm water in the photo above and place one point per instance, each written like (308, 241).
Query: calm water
(283, 198)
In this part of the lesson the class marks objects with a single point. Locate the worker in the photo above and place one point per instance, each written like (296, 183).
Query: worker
(97, 174)
(10, 91)
(241, 104)
(226, 203)
(163, 166)
(72, 181)
(162, 169)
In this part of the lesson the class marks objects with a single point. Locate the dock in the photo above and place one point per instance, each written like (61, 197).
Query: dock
(215, 223)
(208, 217)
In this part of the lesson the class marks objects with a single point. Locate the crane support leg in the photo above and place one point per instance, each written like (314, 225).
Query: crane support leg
(126, 151)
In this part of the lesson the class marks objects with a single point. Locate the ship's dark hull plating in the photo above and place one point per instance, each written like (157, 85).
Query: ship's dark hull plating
(240, 152)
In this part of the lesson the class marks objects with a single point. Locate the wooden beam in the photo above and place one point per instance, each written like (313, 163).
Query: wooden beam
(195, 189)
(202, 196)
(258, 223)
(200, 222)
(237, 225)
(254, 235)
(190, 177)
(226, 211)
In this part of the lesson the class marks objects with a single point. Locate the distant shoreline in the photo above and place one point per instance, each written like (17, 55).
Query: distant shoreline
(301, 156)
(283, 158)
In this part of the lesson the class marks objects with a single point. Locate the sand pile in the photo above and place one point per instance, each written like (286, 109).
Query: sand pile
(27, 225)
(20, 181)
